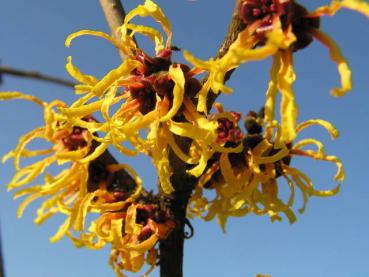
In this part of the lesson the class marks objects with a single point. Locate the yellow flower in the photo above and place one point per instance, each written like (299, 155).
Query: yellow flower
(305, 27)
(153, 94)
(133, 232)
(72, 191)
(66, 189)
(249, 181)
(241, 51)
(276, 28)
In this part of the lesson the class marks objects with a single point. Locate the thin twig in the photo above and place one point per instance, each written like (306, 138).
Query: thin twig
(114, 14)
(35, 75)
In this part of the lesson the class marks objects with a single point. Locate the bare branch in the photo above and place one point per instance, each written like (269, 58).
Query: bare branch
(114, 14)
(171, 249)
(35, 75)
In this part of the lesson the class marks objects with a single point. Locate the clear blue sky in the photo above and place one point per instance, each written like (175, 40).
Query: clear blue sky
(330, 239)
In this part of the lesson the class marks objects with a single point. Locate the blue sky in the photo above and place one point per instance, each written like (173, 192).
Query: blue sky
(330, 239)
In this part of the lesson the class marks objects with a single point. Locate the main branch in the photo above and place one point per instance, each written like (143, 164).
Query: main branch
(172, 249)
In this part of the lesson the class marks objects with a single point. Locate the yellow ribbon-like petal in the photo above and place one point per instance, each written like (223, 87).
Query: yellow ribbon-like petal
(9, 95)
(78, 75)
(176, 74)
(337, 57)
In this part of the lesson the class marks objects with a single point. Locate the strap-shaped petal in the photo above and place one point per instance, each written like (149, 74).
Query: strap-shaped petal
(177, 76)
(149, 8)
(286, 77)
(78, 75)
(103, 35)
(338, 58)
(333, 132)
(10, 95)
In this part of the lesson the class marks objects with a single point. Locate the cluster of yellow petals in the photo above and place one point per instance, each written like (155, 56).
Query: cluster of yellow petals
(124, 126)
(67, 191)
(129, 252)
(253, 187)
(278, 45)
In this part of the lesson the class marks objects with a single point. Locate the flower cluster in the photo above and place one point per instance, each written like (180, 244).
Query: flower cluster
(149, 103)
(277, 28)
(132, 232)
(248, 181)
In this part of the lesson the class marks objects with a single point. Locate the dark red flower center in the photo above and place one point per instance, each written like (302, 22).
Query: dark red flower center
(144, 93)
(228, 131)
(75, 140)
(262, 10)
(287, 11)
(152, 79)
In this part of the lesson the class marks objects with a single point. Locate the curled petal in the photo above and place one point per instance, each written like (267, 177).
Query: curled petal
(143, 246)
(177, 150)
(72, 155)
(149, 8)
(283, 152)
(19, 151)
(160, 158)
(333, 132)
(63, 229)
(26, 202)
(96, 153)
(335, 6)
(205, 155)
(83, 206)
(122, 71)
(130, 226)
(227, 171)
(357, 5)
(164, 172)
(103, 35)
(318, 144)
(19, 95)
(337, 57)
(239, 52)
(151, 33)
(29, 173)
(340, 175)
(78, 75)
(176, 74)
